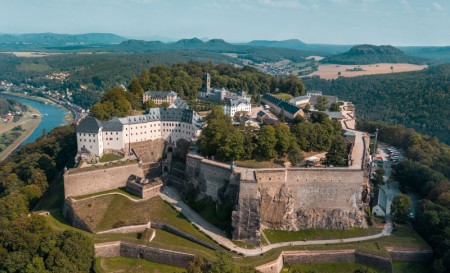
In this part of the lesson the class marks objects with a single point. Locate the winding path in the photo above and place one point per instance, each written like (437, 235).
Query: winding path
(171, 196)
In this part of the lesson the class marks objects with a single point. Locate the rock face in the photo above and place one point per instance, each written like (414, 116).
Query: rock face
(282, 199)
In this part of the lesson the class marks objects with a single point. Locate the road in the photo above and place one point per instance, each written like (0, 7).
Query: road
(358, 152)
(171, 196)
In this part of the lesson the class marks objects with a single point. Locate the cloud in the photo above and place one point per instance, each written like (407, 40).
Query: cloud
(437, 6)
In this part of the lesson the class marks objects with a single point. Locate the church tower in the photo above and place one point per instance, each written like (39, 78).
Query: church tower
(207, 82)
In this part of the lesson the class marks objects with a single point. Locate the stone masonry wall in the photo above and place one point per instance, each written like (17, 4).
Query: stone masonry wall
(162, 256)
(295, 199)
(155, 255)
(283, 199)
(93, 181)
(207, 176)
(289, 258)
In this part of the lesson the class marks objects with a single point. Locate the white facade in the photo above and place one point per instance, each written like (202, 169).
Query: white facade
(236, 105)
(91, 142)
(171, 123)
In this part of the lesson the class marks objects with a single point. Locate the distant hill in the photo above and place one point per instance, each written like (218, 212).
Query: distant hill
(436, 53)
(322, 49)
(53, 39)
(370, 54)
(254, 53)
(292, 43)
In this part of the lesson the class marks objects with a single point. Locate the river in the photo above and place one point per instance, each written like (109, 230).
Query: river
(55, 116)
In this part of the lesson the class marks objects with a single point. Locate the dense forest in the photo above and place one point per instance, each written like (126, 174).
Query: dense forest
(371, 54)
(28, 243)
(186, 80)
(426, 171)
(418, 100)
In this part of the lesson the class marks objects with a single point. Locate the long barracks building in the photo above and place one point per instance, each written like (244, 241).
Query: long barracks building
(95, 137)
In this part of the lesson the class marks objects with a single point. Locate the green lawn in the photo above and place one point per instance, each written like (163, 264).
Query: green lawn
(167, 240)
(284, 96)
(121, 264)
(409, 267)
(111, 211)
(110, 157)
(252, 163)
(329, 267)
(277, 236)
(119, 190)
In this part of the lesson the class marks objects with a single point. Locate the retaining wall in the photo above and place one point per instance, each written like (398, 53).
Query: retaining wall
(162, 256)
(81, 182)
(289, 258)
(412, 255)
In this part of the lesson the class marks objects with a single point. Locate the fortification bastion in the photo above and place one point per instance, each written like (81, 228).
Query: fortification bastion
(282, 198)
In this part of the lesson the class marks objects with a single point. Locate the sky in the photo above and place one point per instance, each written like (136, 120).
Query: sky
(394, 22)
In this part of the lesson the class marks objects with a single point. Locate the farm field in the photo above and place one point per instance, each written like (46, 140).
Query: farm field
(330, 71)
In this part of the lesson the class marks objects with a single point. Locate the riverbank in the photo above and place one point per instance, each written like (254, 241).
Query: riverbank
(28, 127)
(70, 115)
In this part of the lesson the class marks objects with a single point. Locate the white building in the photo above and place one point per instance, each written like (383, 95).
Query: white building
(300, 101)
(233, 105)
(96, 137)
(159, 96)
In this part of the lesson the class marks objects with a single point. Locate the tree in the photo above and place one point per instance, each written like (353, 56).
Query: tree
(149, 104)
(224, 264)
(334, 107)
(378, 179)
(400, 207)
(266, 142)
(322, 103)
(284, 138)
(196, 265)
(232, 146)
(337, 152)
(295, 154)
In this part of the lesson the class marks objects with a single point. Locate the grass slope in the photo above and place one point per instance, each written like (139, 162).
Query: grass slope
(330, 267)
(121, 264)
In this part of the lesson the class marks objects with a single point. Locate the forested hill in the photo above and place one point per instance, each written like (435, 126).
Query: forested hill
(370, 54)
(53, 39)
(419, 100)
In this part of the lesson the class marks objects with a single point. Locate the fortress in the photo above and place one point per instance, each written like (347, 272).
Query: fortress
(265, 198)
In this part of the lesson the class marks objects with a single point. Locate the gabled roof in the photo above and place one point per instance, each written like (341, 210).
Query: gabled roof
(89, 125)
(287, 107)
(330, 99)
(335, 115)
(236, 101)
(179, 104)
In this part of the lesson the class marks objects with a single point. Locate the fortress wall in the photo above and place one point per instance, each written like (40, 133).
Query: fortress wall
(272, 267)
(296, 199)
(93, 181)
(207, 175)
(162, 256)
(155, 255)
(245, 219)
(107, 250)
(412, 255)
(315, 188)
(315, 257)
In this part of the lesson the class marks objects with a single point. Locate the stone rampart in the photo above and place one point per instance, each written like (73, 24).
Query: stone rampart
(283, 199)
(72, 217)
(161, 256)
(208, 176)
(272, 267)
(107, 250)
(412, 255)
(82, 182)
(377, 262)
(155, 255)
(289, 258)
